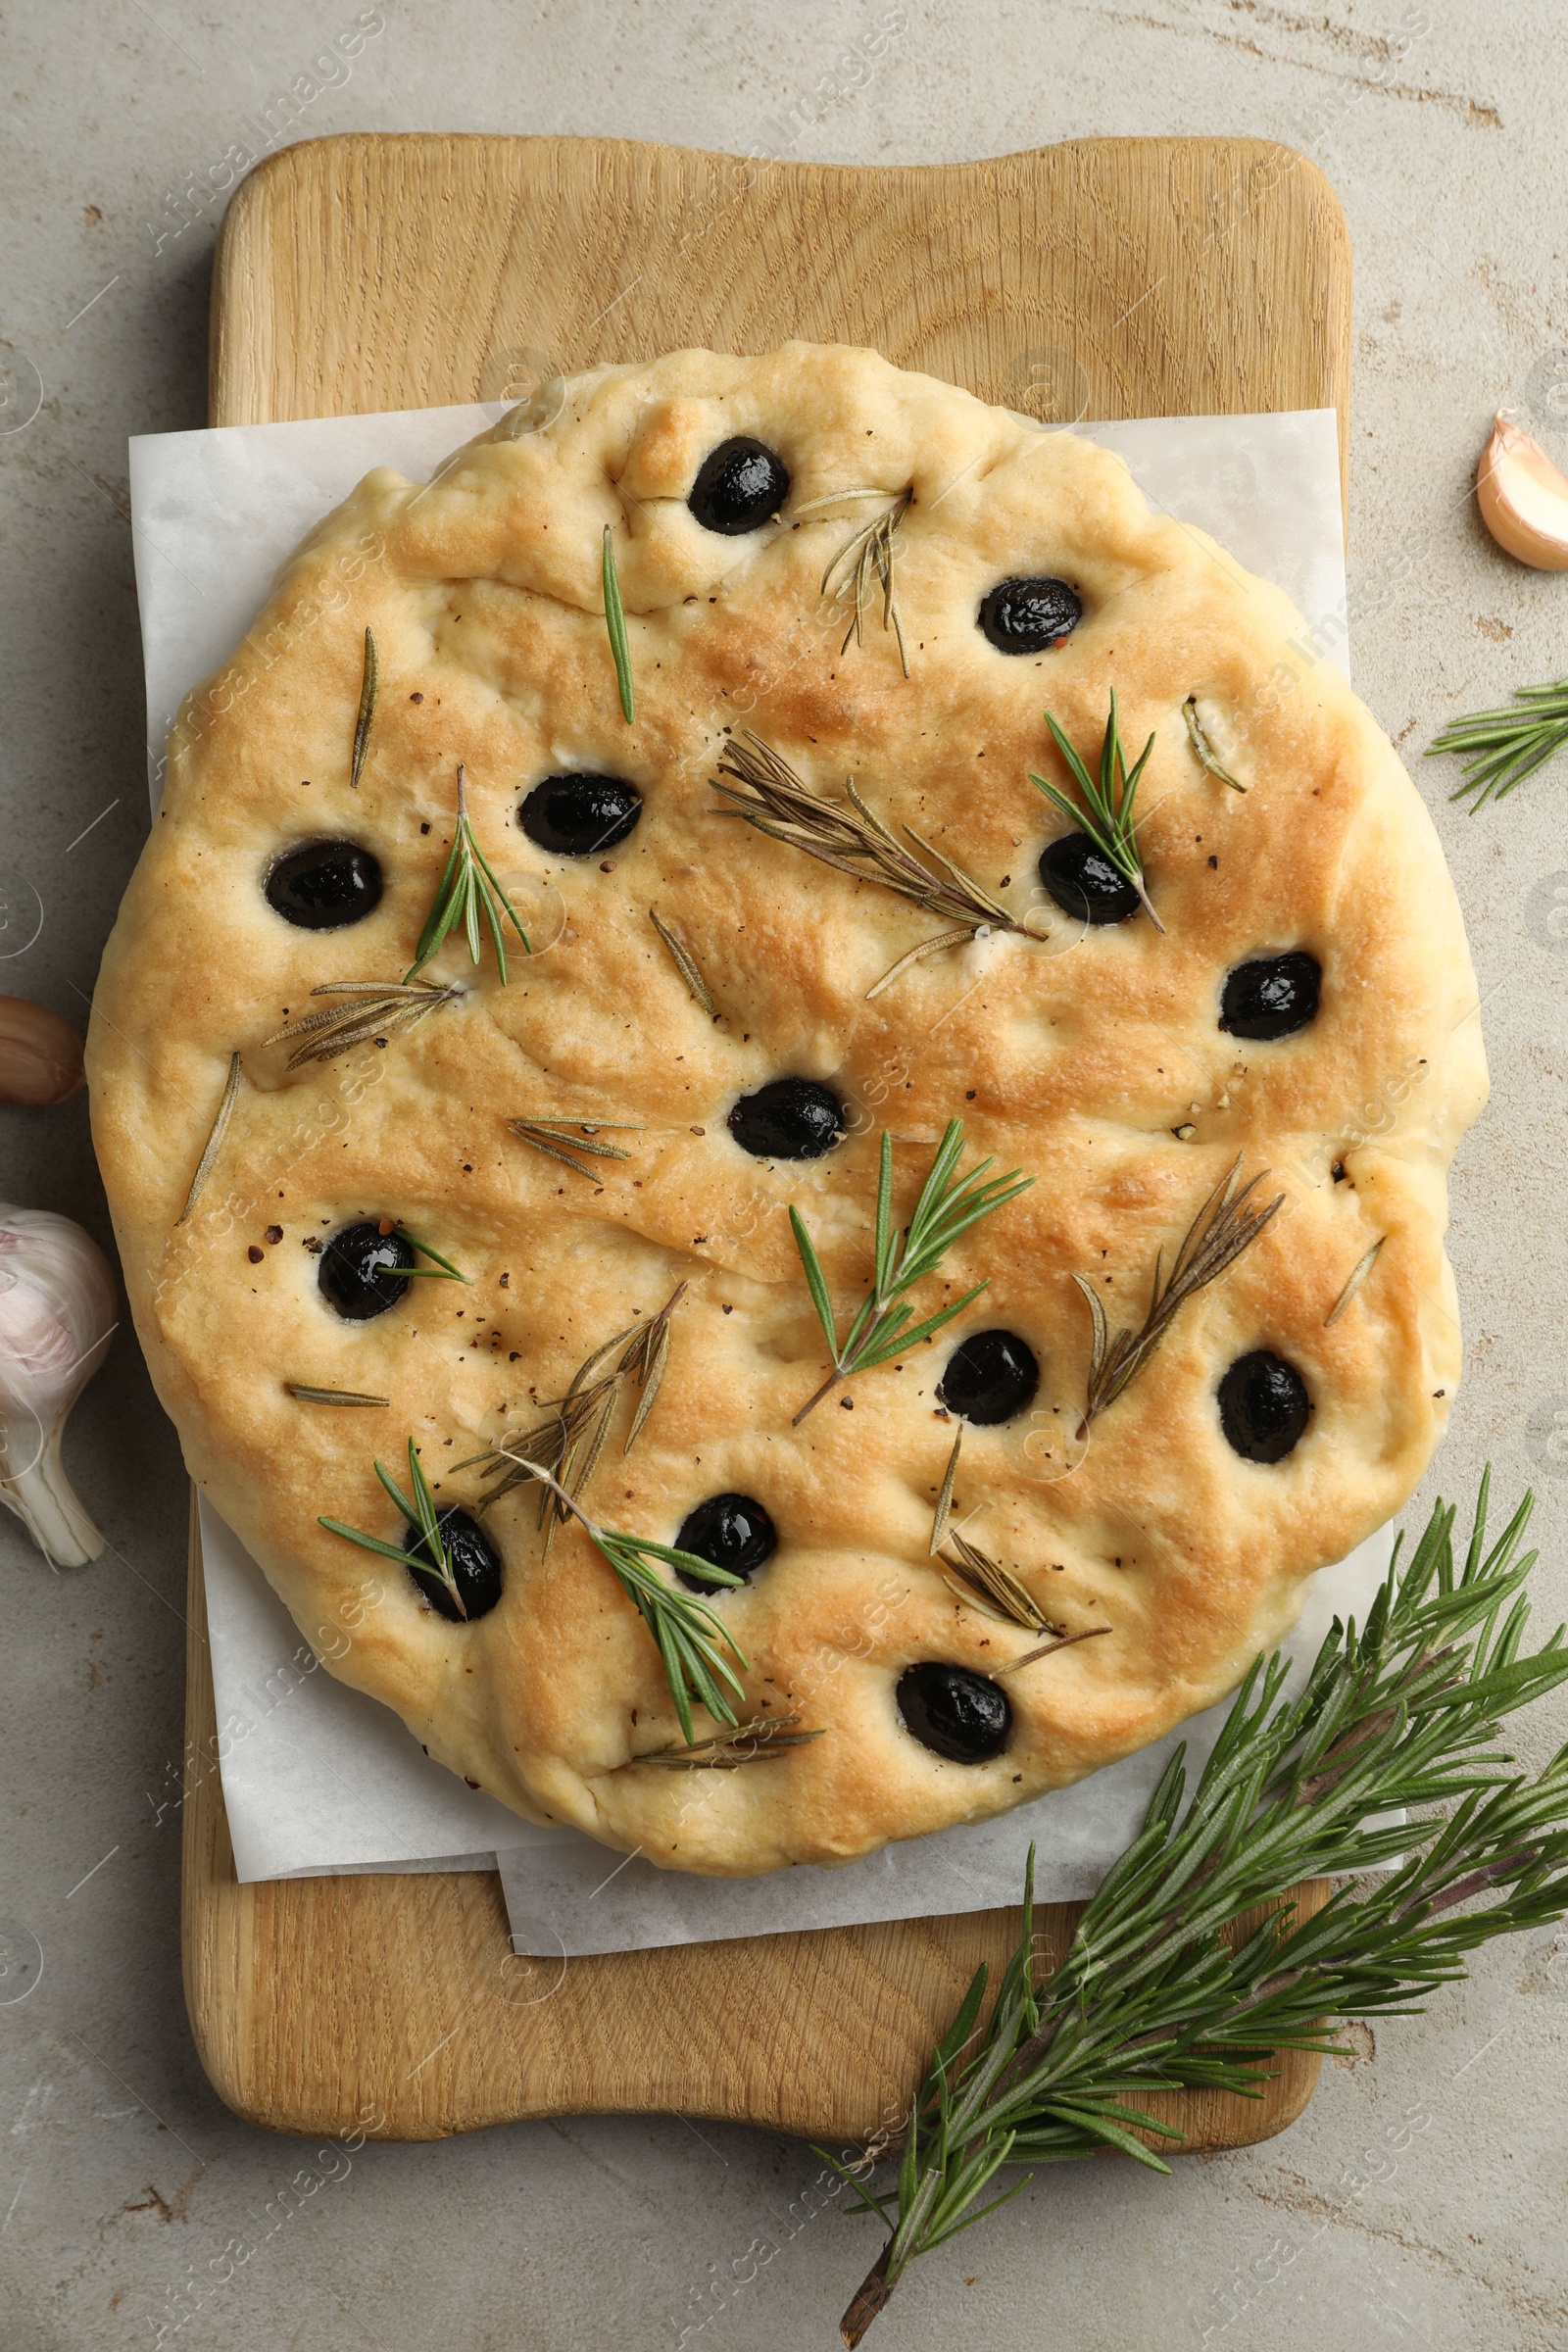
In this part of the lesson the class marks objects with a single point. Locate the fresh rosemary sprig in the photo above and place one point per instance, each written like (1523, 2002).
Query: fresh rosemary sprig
(856, 842)
(1104, 809)
(869, 556)
(761, 1742)
(684, 961)
(1502, 747)
(1203, 750)
(1154, 1995)
(204, 1167)
(559, 1139)
(421, 1513)
(366, 712)
(948, 1205)
(383, 1005)
(616, 623)
(686, 1630)
(468, 887)
(572, 1438)
(1221, 1230)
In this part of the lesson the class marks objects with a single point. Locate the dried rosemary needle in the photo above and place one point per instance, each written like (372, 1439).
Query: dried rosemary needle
(204, 1167)
(762, 1740)
(380, 1007)
(684, 960)
(869, 556)
(1203, 750)
(559, 1139)
(367, 710)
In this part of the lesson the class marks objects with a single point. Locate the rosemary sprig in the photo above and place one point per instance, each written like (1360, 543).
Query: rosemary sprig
(305, 1394)
(421, 1513)
(616, 623)
(948, 1205)
(854, 842)
(761, 1742)
(571, 1439)
(982, 1583)
(559, 1139)
(686, 1630)
(468, 887)
(1502, 747)
(869, 556)
(441, 1269)
(1221, 1230)
(204, 1167)
(684, 961)
(1104, 808)
(381, 1007)
(1203, 750)
(1154, 1995)
(367, 710)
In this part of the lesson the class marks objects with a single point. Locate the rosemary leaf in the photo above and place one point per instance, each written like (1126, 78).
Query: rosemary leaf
(204, 1167)
(869, 556)
(1501, 747)
(367, 710)
(559, 1139)
(948, 1206)
(983, 1584)
(943, 1510)
(1048, 1648)
(308, 1396)
(1359, 1272)
(1216, 1239)
(441, 1269)
(762, 1740)
(684, 961)
(467, 889)
(1203, 749)
(1384, 1773)
(419, 1512)
(381, 1007)
(1104, 806)
(616, 623)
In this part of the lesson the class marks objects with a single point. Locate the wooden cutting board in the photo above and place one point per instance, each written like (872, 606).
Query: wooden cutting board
(1102, 278)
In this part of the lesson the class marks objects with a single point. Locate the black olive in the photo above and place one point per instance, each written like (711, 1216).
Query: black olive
(321, 885)
(1271, 996)
(1084, 882)
(1263, 1406)
(579, 816)
(990, 1377)
(961, 1715)
(789, 1118)
(475, 1566)
(733, 1531)
(740, 485)
(1029, 616)
(363, 1271)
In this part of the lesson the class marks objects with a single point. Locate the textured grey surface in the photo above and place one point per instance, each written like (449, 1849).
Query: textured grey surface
(1424, 2199)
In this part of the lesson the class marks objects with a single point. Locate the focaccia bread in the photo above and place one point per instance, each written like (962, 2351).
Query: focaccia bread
(631, 1111)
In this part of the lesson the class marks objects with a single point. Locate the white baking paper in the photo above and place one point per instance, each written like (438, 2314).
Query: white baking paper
(316, 1778)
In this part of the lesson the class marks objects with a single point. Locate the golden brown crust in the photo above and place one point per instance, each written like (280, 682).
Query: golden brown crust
(1078, 1066)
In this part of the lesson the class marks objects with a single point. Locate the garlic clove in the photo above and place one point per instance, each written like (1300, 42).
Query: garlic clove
(40, 1054)
(57, 1313)
(1523, 498)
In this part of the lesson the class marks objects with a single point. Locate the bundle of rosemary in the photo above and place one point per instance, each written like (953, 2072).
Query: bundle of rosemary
(1153, 1996)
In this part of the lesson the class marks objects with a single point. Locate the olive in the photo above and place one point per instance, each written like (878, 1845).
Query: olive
(475, 1566)
(990, 1377)
(1271, 996)
(321, 885)
(1263, 1406)
(958, 1714)
(1029, 616)
(578, 816)
(789, 1118)
(733, 1531)
(363, 1271)
(740, 485)
(1084, 882)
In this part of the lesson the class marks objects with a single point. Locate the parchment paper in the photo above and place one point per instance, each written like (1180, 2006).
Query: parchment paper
(317, 1778)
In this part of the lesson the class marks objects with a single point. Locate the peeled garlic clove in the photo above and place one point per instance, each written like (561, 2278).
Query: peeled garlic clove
(56, 1310)
(40, 1054)
(1523, 498)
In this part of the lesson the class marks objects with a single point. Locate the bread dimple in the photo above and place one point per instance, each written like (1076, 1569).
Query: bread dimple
(1095, 1065)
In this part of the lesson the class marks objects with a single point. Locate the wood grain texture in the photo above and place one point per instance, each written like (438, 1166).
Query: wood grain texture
(1101, 279)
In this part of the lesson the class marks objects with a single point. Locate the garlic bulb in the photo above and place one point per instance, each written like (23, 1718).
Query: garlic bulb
(1523, 498)
(56, 1310)
(40, 1054)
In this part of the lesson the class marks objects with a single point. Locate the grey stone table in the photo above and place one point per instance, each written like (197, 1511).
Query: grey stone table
(1422, 2199)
